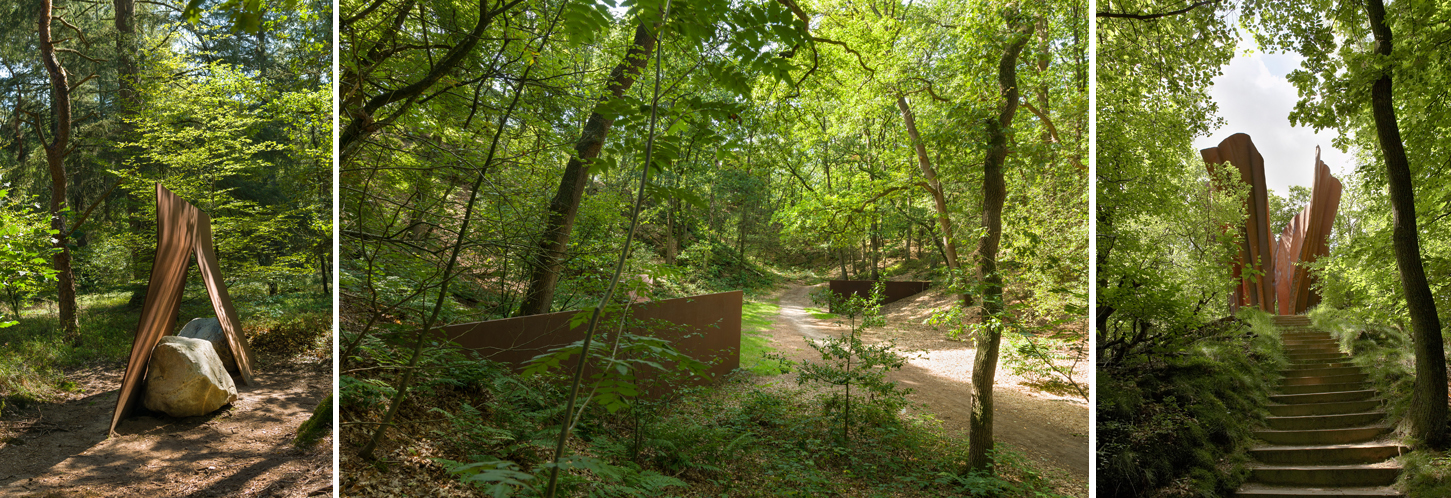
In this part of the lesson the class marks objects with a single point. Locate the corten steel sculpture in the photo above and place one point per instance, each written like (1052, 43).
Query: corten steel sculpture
(1308, 239)
(708, 329)
(1256, 246)
(181, 231)
(1287, 247)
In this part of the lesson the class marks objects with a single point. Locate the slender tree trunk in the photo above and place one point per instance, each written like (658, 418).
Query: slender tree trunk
(934, 186)
(994, 192)
(549, 256)
(55, 153)
(1428, 403)
(366, 452)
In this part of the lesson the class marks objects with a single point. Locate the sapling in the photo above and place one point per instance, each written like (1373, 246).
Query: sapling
(847, 361)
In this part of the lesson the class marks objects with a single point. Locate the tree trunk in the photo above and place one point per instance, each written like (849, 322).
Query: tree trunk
(994, 192)
(1428, 403)
(55, 153)
(549, 256)
(948, 244)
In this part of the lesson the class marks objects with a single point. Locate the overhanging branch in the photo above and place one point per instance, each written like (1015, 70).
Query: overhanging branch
(1145, 17)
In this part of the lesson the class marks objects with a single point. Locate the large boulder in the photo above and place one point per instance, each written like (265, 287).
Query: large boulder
(186, 378)
(210, 330)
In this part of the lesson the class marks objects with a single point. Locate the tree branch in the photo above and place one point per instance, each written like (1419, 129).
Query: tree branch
(81, 220)
(1053, 132)
(1145, 17)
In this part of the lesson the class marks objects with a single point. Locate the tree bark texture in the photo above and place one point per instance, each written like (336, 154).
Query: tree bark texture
(1428, 403)
(553, 245)
(55, 153)
(933, 184)
(994, 192)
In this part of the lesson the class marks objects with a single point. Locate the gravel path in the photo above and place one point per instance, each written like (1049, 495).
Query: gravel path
(1049, 429)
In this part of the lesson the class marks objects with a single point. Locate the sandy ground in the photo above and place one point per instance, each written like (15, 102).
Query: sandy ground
(1051, 430)
(61, 449)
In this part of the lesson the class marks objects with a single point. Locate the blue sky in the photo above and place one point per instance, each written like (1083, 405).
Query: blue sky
(1255, 98)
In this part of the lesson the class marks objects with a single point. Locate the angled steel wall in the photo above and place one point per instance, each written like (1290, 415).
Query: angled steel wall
(711, 331)
(182, 231)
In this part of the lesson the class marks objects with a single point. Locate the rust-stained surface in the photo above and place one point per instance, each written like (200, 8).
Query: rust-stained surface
(1286, 254)
(892, 291)
(182, 231)
(1256, 247)
(1320, 220)
(709, 330)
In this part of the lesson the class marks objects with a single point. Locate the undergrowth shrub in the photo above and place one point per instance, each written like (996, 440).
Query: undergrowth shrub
(1382, 352)
(1178, 423)
(1386, 355)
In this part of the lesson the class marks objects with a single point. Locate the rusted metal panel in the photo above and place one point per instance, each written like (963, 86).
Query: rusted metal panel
(181, 231)
(892, 290)
(708, 329)
(1324, 203)
(1255, 249)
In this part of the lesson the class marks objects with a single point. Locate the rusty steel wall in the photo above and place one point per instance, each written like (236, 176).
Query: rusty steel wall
(182, 231)
(892, 291)
(711, 331)
(1256, 247)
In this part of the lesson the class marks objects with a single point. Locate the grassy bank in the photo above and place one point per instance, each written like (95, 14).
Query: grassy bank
(1385, 353)
(1178, 422)
(489, 432)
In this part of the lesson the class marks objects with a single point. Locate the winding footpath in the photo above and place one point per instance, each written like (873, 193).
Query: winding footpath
(1327, 432)
(1053, 432)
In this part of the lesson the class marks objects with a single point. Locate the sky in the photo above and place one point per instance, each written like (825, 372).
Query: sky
(1255, 98)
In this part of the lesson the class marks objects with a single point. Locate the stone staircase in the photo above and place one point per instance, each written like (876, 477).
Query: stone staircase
(1327, 433)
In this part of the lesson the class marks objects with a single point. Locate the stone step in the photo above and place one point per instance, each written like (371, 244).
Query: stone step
(1326, 475)
(1350, 435)
(1314, 422)
(1328, 408)
(1304, 357)
(1320, 371)
(1338, 454)
(1252, 490)
(1325, 397)
(1309, 350)
(1320, 380)
(1294, 367)
(1324, 388)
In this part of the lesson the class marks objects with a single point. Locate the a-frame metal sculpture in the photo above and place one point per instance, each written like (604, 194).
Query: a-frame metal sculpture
(181, 231)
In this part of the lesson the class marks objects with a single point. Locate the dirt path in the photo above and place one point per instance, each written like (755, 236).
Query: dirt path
(61, 449)
(1051, 430)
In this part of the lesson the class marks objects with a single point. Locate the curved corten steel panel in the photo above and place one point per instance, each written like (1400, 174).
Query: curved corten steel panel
(1320, 214)
(1256, 246)
(181, 231)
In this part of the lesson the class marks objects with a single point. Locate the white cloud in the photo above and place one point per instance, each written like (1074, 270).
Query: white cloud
(1255, 98)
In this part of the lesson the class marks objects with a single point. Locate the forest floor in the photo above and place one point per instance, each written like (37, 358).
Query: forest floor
(61, 449)
(1050, 429)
